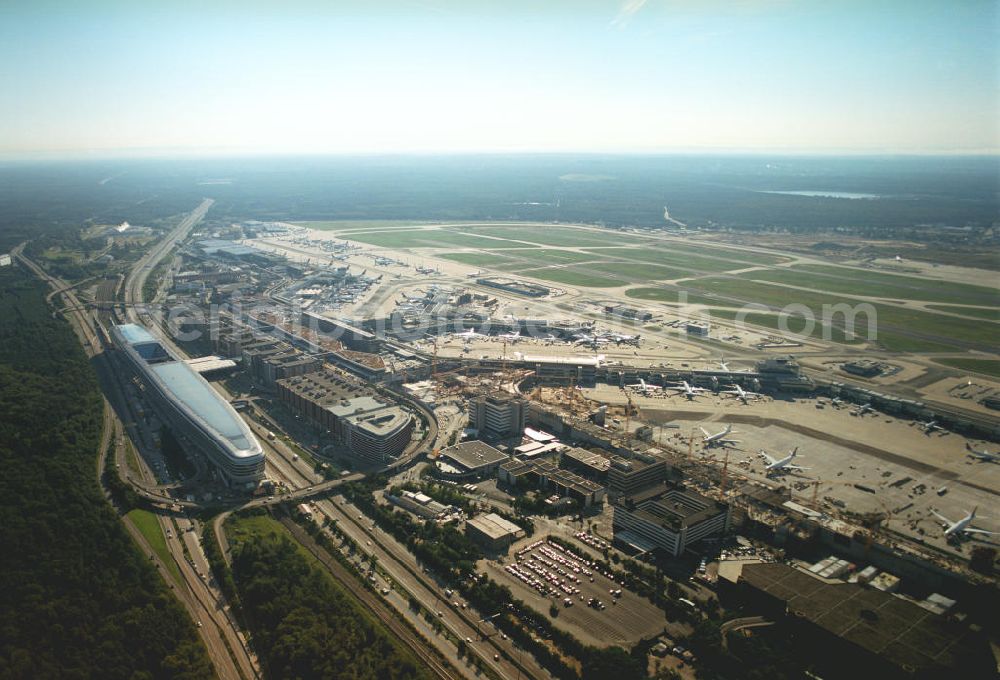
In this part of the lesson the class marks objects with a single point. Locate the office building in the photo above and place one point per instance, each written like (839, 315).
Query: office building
(667, 518)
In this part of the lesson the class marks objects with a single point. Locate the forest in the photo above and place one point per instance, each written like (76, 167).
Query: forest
(79, 599)
(305, 626)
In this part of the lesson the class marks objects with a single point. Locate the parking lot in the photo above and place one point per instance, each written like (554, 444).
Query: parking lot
(541, 573)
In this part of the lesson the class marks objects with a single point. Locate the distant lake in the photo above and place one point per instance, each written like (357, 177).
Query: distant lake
(826, 194)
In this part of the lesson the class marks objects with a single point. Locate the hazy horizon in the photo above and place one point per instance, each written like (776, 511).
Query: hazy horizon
(428, 77)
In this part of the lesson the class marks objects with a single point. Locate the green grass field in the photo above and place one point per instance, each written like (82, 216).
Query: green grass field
(146, 523)
(872, 284)
(355, 225)
(985, 366)
(551, 235)
(571, 277)
(430, 238)
(742, 256)
(676, 296)
(687, 261)
(795, 325)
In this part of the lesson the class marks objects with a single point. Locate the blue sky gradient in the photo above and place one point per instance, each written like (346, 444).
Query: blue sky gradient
(430, 76)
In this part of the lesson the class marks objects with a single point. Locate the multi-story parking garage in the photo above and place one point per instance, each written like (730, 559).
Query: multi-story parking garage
(189, 405)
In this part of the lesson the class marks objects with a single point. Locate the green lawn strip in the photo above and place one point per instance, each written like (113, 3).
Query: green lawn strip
(672, 258)
(571, 277)
(356, 225)
(550, 235)
(796, 325)
(430, 238)
(858, 282)
(987, 313)
(742, 256)
(638, 272)
(984, 366)
(675, 296)
(147, 524)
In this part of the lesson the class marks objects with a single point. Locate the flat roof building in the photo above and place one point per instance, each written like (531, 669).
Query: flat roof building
(493, 532)
(668, 518)
(544, 475)
(850, 630)
(627, 476)
(469, 459)
(374, 431)
(497, 416)
(588, 463)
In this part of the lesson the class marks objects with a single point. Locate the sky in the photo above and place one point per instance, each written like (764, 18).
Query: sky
(436, 76)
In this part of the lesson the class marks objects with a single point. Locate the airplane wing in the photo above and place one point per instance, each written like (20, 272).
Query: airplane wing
(941, 517)
(797, 467)
(769, 459)
(979, 531)
(705, 431)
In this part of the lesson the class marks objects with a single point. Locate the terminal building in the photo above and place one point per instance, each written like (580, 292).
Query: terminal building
(194, 411)
(472, 459)
(667, 518)
(374, 431)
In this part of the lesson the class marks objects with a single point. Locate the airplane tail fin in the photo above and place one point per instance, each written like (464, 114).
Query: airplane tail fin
(974, 511)
(795, 452)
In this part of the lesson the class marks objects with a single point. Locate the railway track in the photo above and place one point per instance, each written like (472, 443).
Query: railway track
(373, 603)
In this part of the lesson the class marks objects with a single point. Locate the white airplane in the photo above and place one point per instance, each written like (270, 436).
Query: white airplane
(930, 426)
(644, 387)
(961, 526)
(719, 437)
(468, 335)
(863, 409)
(513, 336)
(584, 339)
(688, 391)
(620, 338)
(781, 464)
(478, 272)
(742, 394)
(983, 455)
(836, 401)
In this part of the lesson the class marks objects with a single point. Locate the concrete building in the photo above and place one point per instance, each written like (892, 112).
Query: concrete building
(469, 459)
(195, 412)
(545, 476)
(667, 518)
(493, 532)
(497, 415)
(374, 431)
(593, 465)
(628, 476)
(849, 630)
(421, 505)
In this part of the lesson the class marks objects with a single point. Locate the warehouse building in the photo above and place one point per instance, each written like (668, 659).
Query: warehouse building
(493, 532)
(667, 518)
(472, 459)
(849, 630)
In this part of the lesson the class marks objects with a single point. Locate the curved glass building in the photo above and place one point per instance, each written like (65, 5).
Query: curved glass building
(191, 406)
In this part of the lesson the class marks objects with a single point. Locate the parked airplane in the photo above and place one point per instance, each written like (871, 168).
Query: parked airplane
(930, 426)
(584, 339)
(778, 465)
(836, 401)
(468, 335)
(644, 387)
(688, 391)
(719, 438)
(983, 455)
(742, 394)
(961, 526)
(426, 270)
(863, 409)
(478, 272)
(513, 336)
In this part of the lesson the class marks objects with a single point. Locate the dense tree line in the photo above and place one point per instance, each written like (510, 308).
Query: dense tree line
(79, 600)
(306, 627)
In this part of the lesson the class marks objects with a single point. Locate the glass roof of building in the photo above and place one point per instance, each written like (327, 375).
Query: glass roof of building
(135, 334)
(189, 389)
